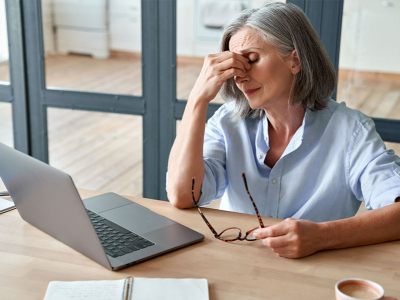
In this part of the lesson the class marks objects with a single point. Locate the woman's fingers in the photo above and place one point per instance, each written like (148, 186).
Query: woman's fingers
(222, 56)
(276, 242)
(231, 73)
(231, 63)
(217, 69)
(226, 57)
(276, 230)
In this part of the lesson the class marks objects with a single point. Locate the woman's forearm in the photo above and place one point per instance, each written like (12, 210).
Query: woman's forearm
(186, 157)
(372, 227)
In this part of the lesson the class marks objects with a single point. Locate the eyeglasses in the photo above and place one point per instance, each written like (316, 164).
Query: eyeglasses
(228, 235)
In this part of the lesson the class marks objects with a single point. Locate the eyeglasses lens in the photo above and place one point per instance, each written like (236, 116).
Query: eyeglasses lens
(230, 234)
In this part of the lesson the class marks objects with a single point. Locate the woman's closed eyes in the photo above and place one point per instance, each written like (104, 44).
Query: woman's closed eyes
(252, 58)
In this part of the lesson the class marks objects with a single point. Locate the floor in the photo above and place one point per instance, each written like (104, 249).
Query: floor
(103, 151)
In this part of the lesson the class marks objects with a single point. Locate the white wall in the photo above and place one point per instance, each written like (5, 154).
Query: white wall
(371, 36)
(47, 25)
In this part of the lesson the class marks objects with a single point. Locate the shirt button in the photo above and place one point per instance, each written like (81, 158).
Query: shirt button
(274, 181)
(259, 156)
(398, 172)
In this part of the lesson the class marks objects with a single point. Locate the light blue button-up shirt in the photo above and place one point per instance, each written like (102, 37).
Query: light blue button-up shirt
(335, 160)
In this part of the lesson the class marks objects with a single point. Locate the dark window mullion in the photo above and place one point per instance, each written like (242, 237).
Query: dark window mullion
(299, 3)
(32, 20)
(5, 93)
(331, 28)
(16, 92)
(388, 129)
(150, 75)
(167, 75)
(94, 101)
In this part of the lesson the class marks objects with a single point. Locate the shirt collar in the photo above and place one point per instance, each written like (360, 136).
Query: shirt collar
(295, 142)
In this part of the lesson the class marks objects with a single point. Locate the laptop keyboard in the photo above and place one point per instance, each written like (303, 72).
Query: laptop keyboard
(116, 240)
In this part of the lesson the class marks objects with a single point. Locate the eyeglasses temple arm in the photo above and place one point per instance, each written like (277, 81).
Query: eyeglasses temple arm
(198, 208)
(252, 201)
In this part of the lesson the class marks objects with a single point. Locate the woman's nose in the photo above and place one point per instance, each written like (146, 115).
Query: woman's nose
(239, 80)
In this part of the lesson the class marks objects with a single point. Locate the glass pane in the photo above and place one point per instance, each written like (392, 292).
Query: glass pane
(4, 68)
(6, 127)
(199, 30)
(369, 65)
(101, 151)
(93, 45)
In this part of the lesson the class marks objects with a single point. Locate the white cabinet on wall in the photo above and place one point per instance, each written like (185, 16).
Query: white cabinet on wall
(125, 25)
(81, 27)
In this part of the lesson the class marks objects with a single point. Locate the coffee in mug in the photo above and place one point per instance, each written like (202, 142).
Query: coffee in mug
(360, 289)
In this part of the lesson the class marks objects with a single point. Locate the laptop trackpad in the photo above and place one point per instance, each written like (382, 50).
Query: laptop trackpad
(137, 218)
(105, 202)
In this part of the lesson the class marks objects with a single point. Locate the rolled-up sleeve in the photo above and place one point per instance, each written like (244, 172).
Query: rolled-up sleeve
(373, 172)
(214, 156)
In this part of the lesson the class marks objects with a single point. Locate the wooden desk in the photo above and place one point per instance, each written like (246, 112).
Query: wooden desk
(30, 259)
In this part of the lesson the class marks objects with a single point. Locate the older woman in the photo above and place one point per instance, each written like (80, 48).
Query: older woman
(308, 159)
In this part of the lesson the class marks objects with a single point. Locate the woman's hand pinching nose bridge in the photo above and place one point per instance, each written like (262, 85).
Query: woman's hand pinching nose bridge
(217, 69)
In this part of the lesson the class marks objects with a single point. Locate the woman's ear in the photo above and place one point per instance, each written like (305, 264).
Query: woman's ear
(295, 62)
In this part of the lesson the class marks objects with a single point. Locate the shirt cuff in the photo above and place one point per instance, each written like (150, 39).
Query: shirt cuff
(385, 194)
(207, 188)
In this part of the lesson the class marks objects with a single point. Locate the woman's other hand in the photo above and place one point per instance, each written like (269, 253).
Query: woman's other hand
(218, 68)
(292, 238)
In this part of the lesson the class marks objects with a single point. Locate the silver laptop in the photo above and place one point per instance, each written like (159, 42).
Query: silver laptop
(110, 229)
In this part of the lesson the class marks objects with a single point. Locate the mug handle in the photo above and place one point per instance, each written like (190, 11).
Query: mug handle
(388, 298)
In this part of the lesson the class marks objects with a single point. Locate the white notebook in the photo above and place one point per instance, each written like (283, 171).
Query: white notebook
(129, 289)
(6, 205)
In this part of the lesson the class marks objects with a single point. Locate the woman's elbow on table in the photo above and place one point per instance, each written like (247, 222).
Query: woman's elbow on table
(179, 199)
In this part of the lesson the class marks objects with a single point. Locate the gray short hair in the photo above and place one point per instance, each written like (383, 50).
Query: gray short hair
(286, 27)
